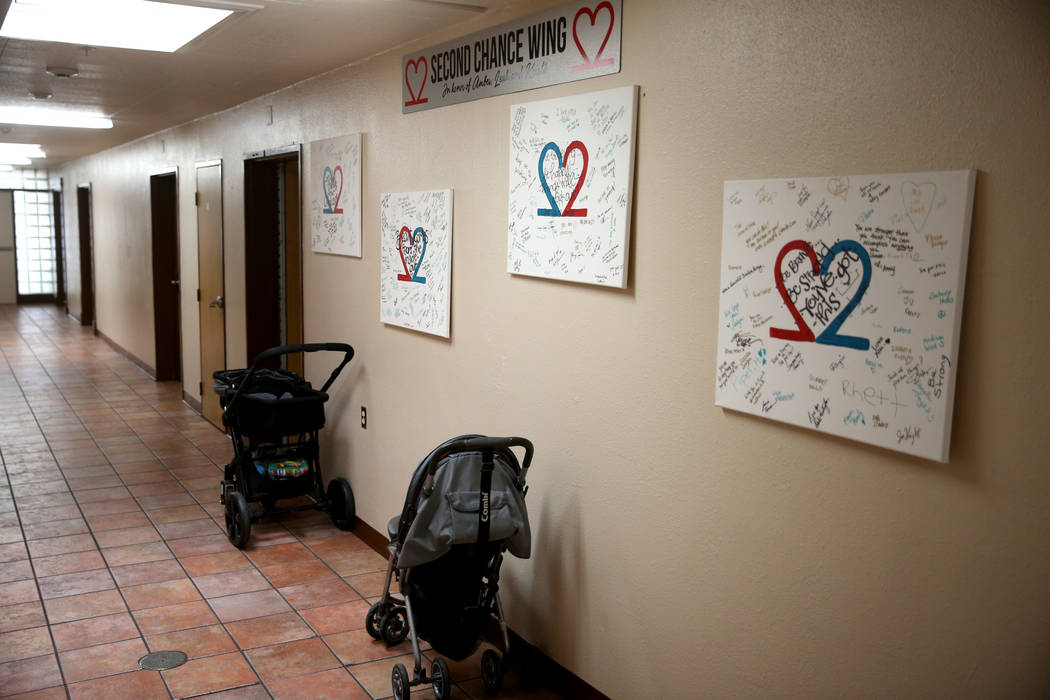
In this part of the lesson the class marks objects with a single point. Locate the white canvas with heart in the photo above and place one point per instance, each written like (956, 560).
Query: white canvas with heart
(333, 195)
(415, 266)
(570, 186)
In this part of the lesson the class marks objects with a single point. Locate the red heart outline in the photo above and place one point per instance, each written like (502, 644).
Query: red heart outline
(575, 146)
(803, 333)
(407, 277)
(335, 205)
(598, 61)
(416, 99)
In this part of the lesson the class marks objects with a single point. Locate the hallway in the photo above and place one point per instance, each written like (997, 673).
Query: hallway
(111, 546)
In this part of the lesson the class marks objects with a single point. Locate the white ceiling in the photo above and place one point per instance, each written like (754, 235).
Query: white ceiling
(263, 46)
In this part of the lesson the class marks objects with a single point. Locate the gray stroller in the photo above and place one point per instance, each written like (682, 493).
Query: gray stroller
(465, 507)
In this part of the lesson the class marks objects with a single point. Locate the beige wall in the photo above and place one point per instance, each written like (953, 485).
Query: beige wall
(682, 549)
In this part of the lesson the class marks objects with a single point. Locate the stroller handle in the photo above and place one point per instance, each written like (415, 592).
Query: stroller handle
(289, 349)
(476, 444)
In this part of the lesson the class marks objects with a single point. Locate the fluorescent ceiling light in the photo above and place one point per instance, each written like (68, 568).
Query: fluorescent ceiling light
(125, 24)
(14, 160)
(6, 168)
(36, 116)
(22, 150)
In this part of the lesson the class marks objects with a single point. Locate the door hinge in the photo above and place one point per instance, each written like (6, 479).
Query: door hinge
(196, 199)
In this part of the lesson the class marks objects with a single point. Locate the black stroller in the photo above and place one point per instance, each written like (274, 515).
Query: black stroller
(274, 416)
(465, 507)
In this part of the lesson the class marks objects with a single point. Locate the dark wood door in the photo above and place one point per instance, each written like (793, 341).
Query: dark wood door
(166, 296)
(87, 270)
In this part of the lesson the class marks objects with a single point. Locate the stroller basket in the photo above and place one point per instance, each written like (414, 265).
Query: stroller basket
(272, 402)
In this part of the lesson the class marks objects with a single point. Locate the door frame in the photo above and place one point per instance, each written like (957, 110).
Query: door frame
(86, 234)
(280, 154)
(222, 244)
(170, 369)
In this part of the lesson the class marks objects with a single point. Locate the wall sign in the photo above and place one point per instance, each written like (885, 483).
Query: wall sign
(334, 195)
(571, 171)
(415, 277)
(841, 302)
(573, 42)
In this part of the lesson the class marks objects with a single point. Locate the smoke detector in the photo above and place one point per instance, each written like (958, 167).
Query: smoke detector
(63, 72)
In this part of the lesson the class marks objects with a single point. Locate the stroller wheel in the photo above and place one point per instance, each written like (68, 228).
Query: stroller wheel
(441, 680)
(372, 620)
(238, 520)
(341, 506)
(393, 626)
(399, 678)
(492, 671)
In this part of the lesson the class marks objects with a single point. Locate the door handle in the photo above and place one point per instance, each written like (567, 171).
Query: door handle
(174, 283)
(217, 301)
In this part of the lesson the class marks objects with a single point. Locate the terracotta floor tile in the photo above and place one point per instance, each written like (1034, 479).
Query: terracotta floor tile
(247, 605)
(203, 544)
(16, 571)
(272, 629)
(291, 659)
(268, 533)
(75, 583)
(155, 595)
(278, 554)
(117, 521)
(140, 685)
(136, 553)
(95, 630)
(148, 572)
(103, 470)
(174, 617)
(49, 500)
(338, 545)
(374, 676)
(113, 493)
(46, 515)
(248, 692)
(18, 592)
(156, 488)
(188, 528)
(29, 674)
(81, 483)
(11, 533)
(368, 585)
(13, 552)
(353, 563)
(79, 607)
(177, 513)
(335, 684)
(152, 476)
(341, 617)
(69, 563)
(147, 465)
(39, 531)
(197, 642)
(318, 593)
(101, 660)
(356, 647)
(57, 692)
(122, 505)
(21, 616)
(127, 536)
(25, 644)
(210, 674)
(214, 563)
(231, 582)
(297, 572)
(61, 545)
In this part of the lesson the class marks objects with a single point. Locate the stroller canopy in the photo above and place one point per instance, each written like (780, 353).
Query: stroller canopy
(449, 512)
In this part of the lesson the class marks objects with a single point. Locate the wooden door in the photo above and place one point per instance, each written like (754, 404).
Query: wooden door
(211, 291)
(87, 269)
(165, 238)
(293, 263)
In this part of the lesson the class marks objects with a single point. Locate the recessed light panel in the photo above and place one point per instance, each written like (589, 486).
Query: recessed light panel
(126, 24)
(46, 116)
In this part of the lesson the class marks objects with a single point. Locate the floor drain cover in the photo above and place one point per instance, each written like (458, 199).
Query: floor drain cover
(163, 660)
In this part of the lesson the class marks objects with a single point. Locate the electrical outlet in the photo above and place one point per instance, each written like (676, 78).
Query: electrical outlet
(364, 417)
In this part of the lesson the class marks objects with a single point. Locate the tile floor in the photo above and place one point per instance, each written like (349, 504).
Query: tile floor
(112, 546)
